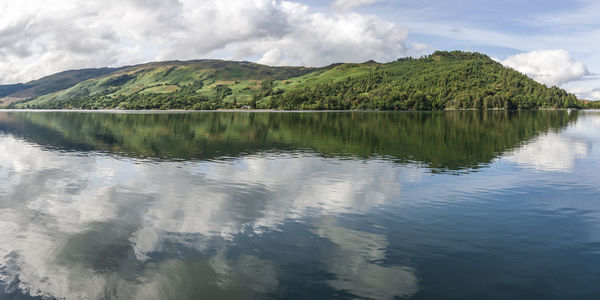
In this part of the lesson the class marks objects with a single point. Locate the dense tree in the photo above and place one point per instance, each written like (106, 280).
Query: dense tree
(442, 80)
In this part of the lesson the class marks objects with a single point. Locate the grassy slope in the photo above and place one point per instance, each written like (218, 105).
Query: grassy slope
(52, 83)
(167, 77)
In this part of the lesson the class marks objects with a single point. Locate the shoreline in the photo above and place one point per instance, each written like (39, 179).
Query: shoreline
(275, 110)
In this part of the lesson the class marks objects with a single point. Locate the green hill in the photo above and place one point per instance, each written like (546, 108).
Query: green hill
(443, 80)
(50, 84)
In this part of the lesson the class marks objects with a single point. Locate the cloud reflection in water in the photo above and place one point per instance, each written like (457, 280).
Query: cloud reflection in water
(558, 151)
(92, 226)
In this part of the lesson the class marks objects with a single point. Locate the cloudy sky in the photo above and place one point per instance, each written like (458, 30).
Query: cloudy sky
(555, 42)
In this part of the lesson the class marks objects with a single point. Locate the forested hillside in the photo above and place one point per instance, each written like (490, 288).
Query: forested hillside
(443, 80)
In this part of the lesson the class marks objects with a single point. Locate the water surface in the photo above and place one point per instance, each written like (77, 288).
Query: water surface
(238, 205)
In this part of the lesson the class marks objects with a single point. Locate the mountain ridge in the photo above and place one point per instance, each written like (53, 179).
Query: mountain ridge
(442, 80)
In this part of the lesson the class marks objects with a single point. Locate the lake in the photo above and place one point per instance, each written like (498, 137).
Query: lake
(300, 205)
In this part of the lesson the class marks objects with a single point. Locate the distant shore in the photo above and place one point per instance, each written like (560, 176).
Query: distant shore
(275, 110)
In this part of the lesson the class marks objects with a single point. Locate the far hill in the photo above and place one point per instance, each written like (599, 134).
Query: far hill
(50, 84)
(443, 80)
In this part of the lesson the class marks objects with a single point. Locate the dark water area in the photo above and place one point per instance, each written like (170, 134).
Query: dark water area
(300, 205)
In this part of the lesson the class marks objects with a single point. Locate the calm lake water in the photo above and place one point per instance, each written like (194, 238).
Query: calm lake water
(239, 205)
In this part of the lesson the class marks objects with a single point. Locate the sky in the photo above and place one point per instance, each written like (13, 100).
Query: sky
(554, 42)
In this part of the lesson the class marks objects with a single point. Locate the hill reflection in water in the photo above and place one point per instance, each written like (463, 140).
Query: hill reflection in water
(234, 205)
(441, 141)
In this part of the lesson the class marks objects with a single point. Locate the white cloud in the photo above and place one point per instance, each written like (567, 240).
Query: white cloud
(550, 67)
(271, 57)
(290, 34)
(40, 37)
(419, 49)
(587, 94)
(345, 5)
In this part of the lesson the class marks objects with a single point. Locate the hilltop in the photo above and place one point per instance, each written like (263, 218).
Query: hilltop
(443, 80)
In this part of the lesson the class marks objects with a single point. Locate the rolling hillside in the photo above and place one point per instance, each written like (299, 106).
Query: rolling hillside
(49, 84)
(443, 80)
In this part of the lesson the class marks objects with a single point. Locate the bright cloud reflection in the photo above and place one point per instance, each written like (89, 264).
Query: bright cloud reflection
(76, 226)
(555, 151)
